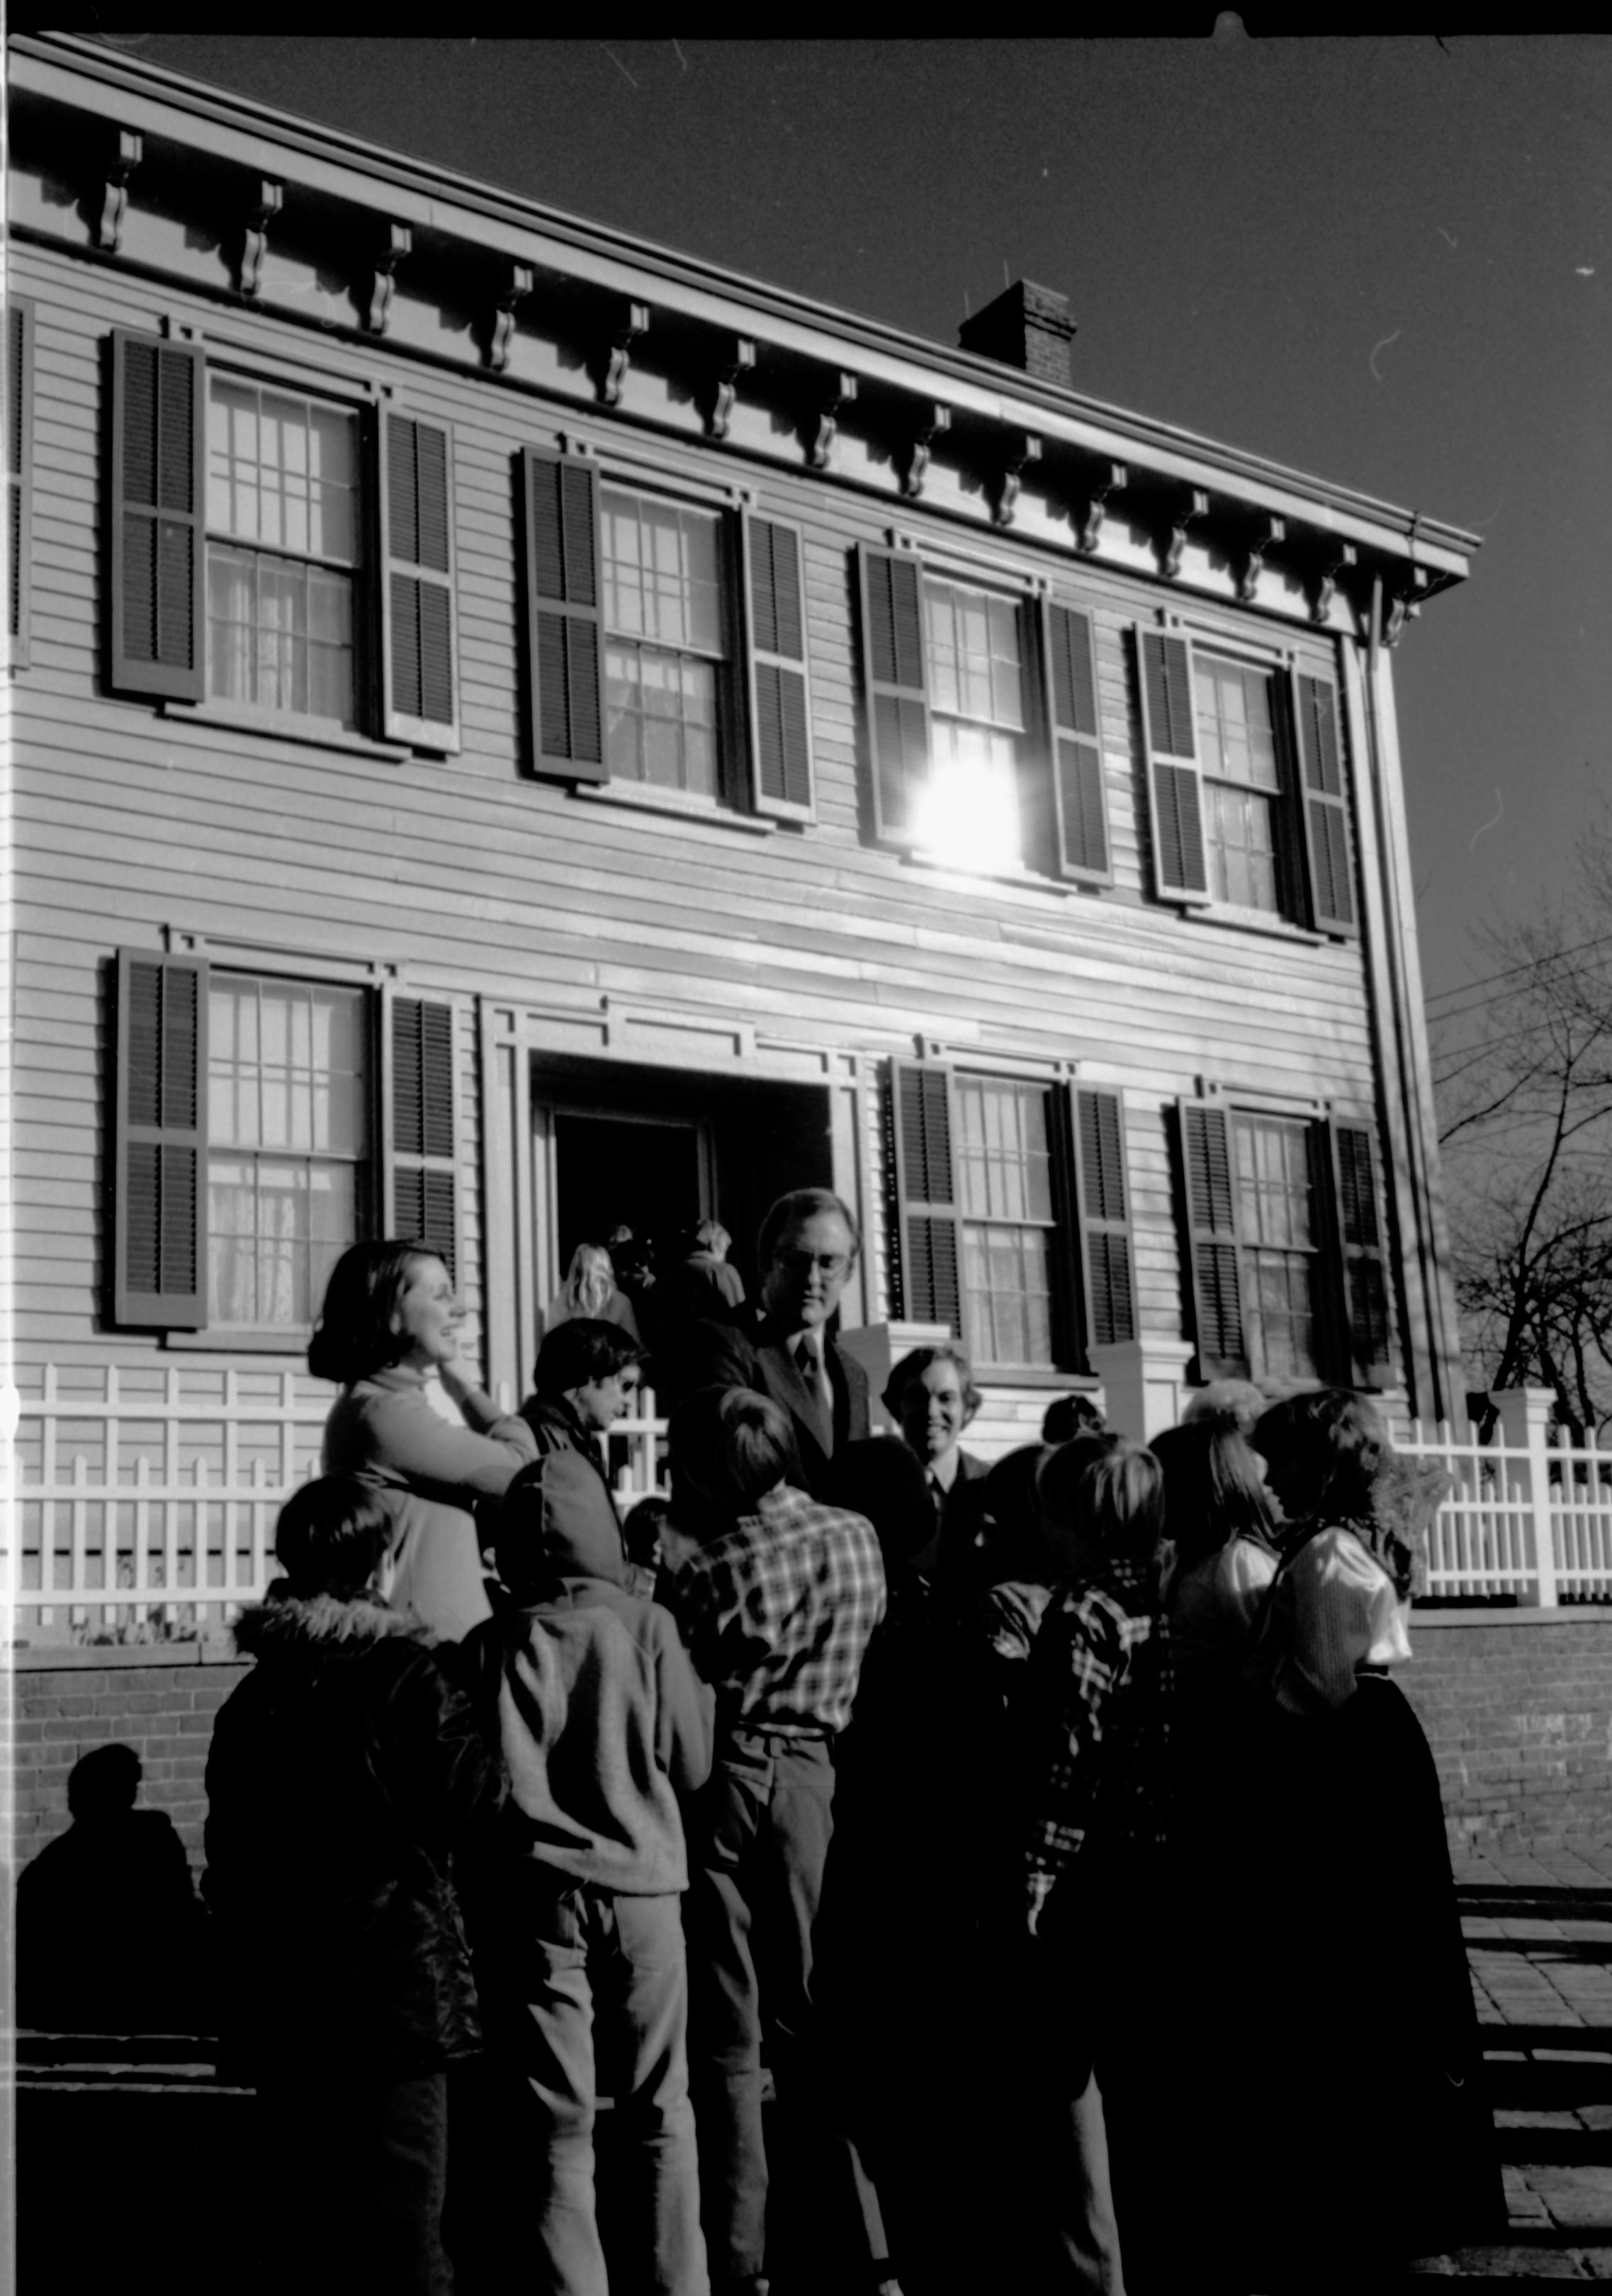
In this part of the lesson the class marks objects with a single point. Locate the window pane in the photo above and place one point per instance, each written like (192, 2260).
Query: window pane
(1276, 1219)
(974, 660)
(662, 573)
(1236, 734)
(661, 719)
(1240, 839)
(287, 1074)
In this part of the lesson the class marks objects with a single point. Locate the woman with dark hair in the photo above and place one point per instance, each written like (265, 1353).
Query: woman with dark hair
(389, 1326)
(1364, 1989)
(1220, 1527)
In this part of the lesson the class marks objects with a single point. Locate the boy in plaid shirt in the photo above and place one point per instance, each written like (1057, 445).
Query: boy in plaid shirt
(776, 1609)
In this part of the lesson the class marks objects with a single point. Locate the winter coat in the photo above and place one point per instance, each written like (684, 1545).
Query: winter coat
(344, 1771)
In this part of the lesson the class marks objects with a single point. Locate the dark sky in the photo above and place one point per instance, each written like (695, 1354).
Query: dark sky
(1383, 261)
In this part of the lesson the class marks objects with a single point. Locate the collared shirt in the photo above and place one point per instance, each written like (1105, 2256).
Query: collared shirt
(1101, 1666)
(777, 1614)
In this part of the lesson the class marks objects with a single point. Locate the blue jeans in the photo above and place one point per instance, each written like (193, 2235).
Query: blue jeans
(758, 1843)
(605, 1981)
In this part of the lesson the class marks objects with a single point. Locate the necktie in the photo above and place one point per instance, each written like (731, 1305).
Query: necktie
(809, 1364)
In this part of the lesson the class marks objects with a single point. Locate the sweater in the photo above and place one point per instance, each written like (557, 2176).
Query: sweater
(430, 1473)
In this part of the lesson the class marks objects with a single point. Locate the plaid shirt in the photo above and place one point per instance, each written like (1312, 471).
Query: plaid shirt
(777, 1614)
(1101, 1667)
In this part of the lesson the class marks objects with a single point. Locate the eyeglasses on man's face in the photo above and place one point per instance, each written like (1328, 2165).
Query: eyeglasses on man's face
(828, 1265)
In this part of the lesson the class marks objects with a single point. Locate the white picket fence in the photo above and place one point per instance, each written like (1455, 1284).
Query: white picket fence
(143, 1503)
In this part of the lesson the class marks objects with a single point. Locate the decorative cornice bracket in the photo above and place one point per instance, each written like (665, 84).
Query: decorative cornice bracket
(630, 321)
(130, 151)
(1403, 605)
(739, 359)
(397, 242)
(260, 213)
(929, 425)
(1091, 528)
(514, 286)
(1342, 556)
(839, 392)
(1194, 503)
(1022, 446)
(1269, 531)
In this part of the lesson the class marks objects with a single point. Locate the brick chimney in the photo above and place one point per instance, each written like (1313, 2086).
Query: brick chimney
(1027, 327)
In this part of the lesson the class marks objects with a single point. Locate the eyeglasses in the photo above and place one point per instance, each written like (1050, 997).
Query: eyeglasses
(828, 1264)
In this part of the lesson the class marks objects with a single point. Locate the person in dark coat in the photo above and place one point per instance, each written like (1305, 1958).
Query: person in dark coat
(806, 1249)
(585, 1376)
(931, 1396)
(344, 1771)
(152, 1979)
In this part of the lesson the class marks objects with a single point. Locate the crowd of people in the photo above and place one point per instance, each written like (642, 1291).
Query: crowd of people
(866, 1870)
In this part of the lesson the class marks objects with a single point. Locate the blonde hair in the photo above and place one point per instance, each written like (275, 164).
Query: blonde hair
(589, 1281)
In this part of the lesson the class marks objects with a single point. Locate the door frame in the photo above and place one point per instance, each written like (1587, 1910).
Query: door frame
(517, 1035)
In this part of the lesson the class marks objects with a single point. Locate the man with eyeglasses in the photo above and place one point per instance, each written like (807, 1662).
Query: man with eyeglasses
(805, 1252)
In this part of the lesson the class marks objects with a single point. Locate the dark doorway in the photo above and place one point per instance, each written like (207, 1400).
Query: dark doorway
(656, 1149)
(613, 1170)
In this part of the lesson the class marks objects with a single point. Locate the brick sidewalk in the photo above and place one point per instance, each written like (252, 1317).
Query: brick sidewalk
(1539, 1941)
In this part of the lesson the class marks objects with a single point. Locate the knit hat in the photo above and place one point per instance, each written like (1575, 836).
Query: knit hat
(556, 1521)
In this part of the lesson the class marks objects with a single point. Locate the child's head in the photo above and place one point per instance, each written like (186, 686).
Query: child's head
(555, 1521)
(643, 1528)
(729, 1446)
(1215, 1488)
(882, 1480)
(1230, 1402)
(1108, 1508)
(332, 1534)
(1322, 1450)
(1068, 1416)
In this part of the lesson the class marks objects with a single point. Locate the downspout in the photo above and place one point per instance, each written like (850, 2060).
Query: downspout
(1409, 1098)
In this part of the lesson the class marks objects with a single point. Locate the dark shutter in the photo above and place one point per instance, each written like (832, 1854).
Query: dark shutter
(1326, 806)
(419, 669)
(1102, 1199)
(1175, 791)
(424, 1202)
(565, 618)
(19, 472)
(159, 1214)
(1211, 1221)
(1363, 1276)
(781, 746)
(1077, 778)
(927, 1223)
(894, 669)
(158, 571)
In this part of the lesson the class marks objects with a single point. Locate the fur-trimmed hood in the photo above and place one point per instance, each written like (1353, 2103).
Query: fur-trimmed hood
(285, 1621)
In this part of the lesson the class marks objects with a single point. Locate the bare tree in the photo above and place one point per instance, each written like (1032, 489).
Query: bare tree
(1524, 1075)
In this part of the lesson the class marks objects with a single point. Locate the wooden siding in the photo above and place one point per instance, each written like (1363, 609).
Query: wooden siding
(476, 878)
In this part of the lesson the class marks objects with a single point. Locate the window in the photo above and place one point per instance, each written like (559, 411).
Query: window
(665, 642)
(983, 723)
(283, 551)
(1011, 1220)
(664, 646)
(18, 474)
(1285, 1246)
(278, 552)
(248, 1156)
(1246, 784)
(1237, 742)
(977, 703)
(288, 1145)
(1008, 1230)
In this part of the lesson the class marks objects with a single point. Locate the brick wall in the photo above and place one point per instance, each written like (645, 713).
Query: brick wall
(1517, 1706)
(160, 1698)
(1517, 1709)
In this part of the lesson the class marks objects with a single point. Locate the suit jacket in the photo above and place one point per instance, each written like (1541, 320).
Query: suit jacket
(725, 1355)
